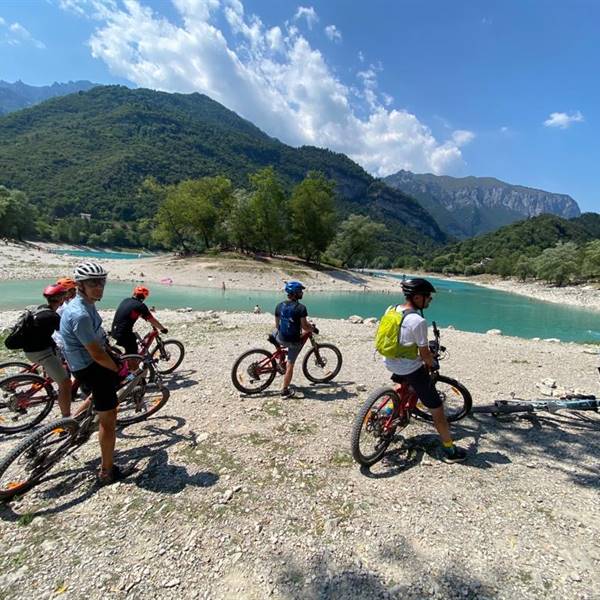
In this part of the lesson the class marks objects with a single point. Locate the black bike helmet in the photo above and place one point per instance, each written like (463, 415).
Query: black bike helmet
(411, 287)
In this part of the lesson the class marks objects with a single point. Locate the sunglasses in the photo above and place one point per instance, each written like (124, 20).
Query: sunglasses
(95, 282)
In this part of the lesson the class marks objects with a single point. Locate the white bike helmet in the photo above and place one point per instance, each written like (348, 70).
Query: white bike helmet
(89, 270)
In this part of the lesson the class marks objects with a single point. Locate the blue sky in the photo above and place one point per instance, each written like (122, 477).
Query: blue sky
(508, 89)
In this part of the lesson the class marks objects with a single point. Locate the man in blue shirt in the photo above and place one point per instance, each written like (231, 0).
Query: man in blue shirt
(291, 320)
(85, 350)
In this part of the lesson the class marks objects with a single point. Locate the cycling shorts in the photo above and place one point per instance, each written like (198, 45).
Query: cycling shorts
(422, 383)
(293, 349)
(52, 364)
(103, 385)
(128, 341)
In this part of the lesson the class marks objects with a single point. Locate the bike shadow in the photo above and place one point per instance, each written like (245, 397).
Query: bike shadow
(156, 475)
(180, 380)
(425, 450)
(327, 392)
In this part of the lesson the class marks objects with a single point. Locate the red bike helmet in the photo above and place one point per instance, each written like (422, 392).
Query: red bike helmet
(54, 289)
(140, 290)
(67, 283)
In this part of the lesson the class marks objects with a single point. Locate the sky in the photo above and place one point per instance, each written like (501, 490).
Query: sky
(507, 88)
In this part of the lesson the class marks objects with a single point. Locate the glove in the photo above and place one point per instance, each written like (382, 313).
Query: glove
(123, 371)
(164, 330)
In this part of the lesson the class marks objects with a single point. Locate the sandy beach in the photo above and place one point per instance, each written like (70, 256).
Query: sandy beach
(255, 497)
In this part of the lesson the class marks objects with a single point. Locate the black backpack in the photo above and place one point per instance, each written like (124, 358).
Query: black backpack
(22, 330)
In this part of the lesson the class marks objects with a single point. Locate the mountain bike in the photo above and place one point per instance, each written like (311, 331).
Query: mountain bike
(15, 367)
(28, 462)
(255, 370)
(389, 409)
(518, 405)
(168, 354)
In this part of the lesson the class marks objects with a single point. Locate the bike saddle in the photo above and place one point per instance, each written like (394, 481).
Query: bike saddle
(398, 378)
(273, 341)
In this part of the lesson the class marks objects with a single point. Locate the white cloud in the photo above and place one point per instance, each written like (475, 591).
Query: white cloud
(16, 35)
(308, 13)
(333, 33)
(272, 77)
(563, 120)
(361, 56)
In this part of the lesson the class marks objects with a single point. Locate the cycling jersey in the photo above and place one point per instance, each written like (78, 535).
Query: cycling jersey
(128, 312)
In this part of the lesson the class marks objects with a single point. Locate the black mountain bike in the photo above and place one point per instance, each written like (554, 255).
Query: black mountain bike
(142, 395)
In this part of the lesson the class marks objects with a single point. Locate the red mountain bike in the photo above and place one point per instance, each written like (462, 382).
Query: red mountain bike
(388, 410)
(255, 370)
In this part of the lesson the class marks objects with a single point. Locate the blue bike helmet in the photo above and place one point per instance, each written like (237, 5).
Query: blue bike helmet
(293, 287)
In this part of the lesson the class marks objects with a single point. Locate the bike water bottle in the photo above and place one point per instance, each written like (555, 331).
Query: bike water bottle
(388, 409)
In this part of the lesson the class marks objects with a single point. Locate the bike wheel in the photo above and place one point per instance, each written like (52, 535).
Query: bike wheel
(17, 367)
(456, 400)
(141, 397)
(322, 364)
(168, 356)
(25, 400)
(373, 427)
(253, 371)
(30, 460)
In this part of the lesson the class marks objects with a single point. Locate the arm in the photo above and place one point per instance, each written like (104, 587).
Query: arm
(155, 323)
(99, 354)
(306, 326)
(420, 336)
(426, 356)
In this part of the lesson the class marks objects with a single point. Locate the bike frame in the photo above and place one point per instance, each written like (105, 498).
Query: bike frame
(280, 354)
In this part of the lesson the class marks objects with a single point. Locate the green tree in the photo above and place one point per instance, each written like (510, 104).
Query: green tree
(313, 215)
(357, 240)
(557, 264)
(17, 216)
(241, 224)
(270, 212)
(590, 267)
(524, 268)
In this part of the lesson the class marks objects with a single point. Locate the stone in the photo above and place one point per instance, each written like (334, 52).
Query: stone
(494, 331)
(370, 320)
(356, 319)
(552, 340)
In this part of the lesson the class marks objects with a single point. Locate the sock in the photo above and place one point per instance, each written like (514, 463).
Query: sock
(448, 445)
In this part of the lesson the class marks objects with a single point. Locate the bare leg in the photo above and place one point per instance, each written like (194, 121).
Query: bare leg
(64, 397)
(107, 437)
(441, 424)
(289, 373)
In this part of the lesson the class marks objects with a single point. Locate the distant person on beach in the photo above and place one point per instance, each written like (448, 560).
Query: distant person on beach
(223, 286)
(290, 321)
(257, 310)
(128, 312)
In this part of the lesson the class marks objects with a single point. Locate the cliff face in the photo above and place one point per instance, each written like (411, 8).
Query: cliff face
(468, 206)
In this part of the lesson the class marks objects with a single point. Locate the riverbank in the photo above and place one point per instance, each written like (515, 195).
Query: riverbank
(29, 261)
(255, 497)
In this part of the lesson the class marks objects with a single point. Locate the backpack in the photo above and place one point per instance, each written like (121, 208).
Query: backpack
(289, 326)
(387, 337)
(23, 329)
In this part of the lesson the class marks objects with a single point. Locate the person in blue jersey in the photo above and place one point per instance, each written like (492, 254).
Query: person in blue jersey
(291, 319)
(84, 347)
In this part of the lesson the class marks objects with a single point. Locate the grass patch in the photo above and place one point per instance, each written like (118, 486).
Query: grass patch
(341, 459)
(25, 519)
(274, 408)
(298, 428)
(210, 456)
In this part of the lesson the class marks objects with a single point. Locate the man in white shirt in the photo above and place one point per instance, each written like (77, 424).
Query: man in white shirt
(417, 360)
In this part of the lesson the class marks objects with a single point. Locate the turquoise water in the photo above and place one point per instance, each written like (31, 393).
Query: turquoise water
(467, 307)
(101, 254)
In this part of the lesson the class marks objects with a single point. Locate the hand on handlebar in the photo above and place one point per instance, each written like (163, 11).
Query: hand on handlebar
(164, 330)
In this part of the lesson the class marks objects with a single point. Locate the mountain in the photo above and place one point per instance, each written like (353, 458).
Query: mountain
(17, 95)
(468, 206)
(90, 151)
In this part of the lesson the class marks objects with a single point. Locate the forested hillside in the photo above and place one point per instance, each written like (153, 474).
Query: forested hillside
(91, 151)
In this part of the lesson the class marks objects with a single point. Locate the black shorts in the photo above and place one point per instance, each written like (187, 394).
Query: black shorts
(128, 341)
(102, 383)
(421, 382)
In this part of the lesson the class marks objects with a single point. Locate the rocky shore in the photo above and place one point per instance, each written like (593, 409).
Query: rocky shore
(256, 497)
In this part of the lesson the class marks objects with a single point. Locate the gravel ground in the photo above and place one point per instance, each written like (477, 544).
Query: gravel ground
(255, 497)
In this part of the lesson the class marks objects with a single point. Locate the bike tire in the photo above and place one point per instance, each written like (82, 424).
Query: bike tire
(459, 389)
(311, 355)
(25, 379)
(12, 489)
(173, 344)
(22, 366)
(147, 379)
(235, 378)
(361, 419)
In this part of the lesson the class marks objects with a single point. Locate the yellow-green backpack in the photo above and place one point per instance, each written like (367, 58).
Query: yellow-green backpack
(387, 338)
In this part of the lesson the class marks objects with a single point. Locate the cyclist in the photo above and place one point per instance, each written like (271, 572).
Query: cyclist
(291, 320)
(126, 316)
(40, 347)
(71, 290)
(85, 351)
(416, 371)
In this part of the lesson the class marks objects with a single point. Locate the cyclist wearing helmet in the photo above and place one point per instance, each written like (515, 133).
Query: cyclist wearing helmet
(128, 312)
(39, 345)
(291, 320)
(413, 333)
(85, 351)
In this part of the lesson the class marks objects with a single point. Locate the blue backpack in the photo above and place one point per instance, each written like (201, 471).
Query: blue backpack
(289, 324)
